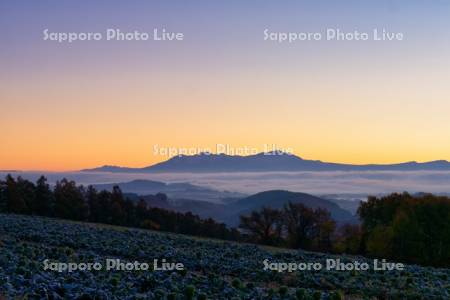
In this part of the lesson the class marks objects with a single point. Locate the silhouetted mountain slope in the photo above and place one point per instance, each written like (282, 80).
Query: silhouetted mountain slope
(265, 162)
(279, 198)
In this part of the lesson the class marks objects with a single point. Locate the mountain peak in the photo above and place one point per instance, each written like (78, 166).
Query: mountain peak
(274, 161)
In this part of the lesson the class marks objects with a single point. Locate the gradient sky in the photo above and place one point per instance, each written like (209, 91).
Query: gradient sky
(85, 104)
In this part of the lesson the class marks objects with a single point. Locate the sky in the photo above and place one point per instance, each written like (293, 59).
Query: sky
(69, 106)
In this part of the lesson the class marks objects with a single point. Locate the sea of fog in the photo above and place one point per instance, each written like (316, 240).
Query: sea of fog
(319, 183)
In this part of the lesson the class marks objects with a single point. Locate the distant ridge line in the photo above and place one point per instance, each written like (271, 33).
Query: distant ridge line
(264, 163)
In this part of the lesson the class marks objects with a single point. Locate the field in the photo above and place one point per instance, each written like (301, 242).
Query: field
(213, 269)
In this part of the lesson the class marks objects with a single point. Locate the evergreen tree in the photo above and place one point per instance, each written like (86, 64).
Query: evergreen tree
(3, 196)
(116, 206)
(15, 201)
(43, 204)
(69, 201)
(93, 204)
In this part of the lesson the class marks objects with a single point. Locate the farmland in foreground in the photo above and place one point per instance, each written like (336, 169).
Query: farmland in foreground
(213, 269)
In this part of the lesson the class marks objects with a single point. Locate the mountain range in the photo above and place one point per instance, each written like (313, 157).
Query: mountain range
(264, 162)
(181, 190)
(229, 212)
(222, 206)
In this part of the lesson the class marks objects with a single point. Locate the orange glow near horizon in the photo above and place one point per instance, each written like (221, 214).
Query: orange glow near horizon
(59, 127)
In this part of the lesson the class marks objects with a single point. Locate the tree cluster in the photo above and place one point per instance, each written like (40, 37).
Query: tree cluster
(403, 227)
(398, 227)
(67, 200)
(295, 226)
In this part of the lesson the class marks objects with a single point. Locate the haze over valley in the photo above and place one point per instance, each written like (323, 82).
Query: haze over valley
(214, 177)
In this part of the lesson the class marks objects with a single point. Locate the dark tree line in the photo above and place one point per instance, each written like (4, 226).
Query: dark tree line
(67, 200)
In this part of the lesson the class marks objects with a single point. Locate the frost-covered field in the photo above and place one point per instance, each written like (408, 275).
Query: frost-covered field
(213, 269)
